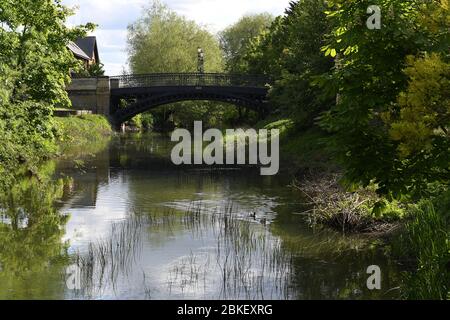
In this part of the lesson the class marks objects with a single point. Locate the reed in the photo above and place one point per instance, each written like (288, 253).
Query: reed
(427, 242)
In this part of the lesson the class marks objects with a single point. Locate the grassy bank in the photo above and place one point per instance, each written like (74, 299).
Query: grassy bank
(301, 149)
(21, 153)
(425, 247)
(81, 131)
(317, 177)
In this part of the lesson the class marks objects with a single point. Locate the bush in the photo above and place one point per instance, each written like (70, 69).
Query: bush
(79, 130)
(27, 137)
(348, 212)
(147, 121)
(142, 122)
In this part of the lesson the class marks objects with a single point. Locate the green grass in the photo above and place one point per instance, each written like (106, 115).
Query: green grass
(81, 130)
(306, 150)
(427, 241)
(303, 149)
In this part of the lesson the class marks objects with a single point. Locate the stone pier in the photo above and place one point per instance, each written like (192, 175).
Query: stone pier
(92, 94)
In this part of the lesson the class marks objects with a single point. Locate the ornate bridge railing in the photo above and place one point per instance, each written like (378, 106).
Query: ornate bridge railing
(192, 79)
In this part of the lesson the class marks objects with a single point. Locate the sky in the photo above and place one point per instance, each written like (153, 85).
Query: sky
(113, 17)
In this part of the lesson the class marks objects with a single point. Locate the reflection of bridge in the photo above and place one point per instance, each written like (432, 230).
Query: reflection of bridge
(145, 92)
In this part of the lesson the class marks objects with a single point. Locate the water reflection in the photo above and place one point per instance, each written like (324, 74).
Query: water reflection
(141, 228)
(206, 256)
(32, 252)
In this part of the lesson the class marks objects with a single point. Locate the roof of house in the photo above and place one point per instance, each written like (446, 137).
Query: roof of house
(89, 46)
(77, 51)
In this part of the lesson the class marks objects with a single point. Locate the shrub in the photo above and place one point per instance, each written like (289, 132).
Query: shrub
(80, 130)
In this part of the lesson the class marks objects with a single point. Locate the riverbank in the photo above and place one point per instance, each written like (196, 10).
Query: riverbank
(77, 131)
(21, 158)
(415, 231)
(317, 177)
(348, 212)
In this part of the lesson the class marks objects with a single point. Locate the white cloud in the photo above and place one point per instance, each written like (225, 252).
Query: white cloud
(218, 14)
(112, 49)
(113, 17)
(108, 14)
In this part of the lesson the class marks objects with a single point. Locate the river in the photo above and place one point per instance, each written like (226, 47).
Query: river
(138, 227)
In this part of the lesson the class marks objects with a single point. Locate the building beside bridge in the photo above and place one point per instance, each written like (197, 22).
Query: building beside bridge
(85, 50)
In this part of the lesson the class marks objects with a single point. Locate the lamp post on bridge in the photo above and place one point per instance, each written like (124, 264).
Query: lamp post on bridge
(201, 61)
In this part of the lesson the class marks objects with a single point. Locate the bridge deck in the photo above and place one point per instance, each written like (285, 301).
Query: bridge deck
(191, 79)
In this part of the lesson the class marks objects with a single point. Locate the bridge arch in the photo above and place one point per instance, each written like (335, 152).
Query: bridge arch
(146, 92)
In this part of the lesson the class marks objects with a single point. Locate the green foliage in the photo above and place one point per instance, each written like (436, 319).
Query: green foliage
(291, 53)
(34, 70)
(283, 125)
(236, 39)
(387, 210)
(385, 94)
(94, 70)
(33, 43)
(427, 239)
(212, 115)
(26, 130)
(142, 122)
(419, 122)
(369, 82)
(147, 121)
(442, 204)
(81, 130)
(306, 150)
(424, 108)
(265, 54)
(136, 122)
(162, 41)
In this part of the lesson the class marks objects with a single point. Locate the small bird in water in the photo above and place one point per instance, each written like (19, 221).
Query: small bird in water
(263, 221)
(253, 215)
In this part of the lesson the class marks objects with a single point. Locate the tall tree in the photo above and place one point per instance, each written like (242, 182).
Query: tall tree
(35, 68)
(33, 40)
(162, 41)
(236, 39)
(291, 53)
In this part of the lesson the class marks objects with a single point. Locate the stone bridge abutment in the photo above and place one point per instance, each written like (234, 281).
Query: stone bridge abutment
(92, 94)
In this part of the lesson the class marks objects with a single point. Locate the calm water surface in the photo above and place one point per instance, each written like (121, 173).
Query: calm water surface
(140, 228)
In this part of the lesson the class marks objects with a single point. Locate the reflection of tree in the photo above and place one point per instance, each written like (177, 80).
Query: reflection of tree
(31, 230)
